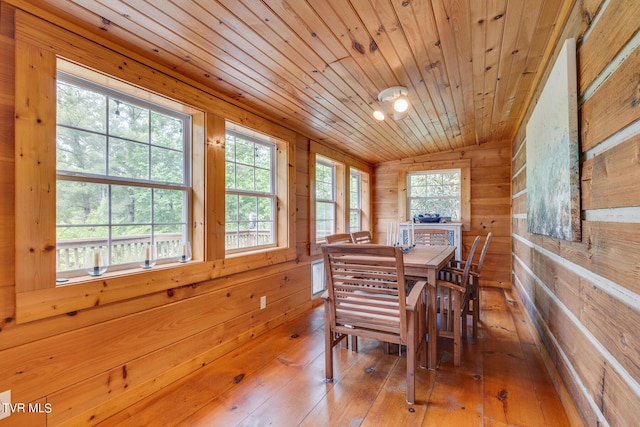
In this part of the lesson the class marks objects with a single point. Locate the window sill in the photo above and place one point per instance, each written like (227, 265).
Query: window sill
(86, 292)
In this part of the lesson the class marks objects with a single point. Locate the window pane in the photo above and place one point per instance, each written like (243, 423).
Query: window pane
(80, 203)
(325, 219)
(128, 159)
(324, 182)
(130, 205)
(168, 240)
(167, 165)
(354, 186)
(81, 108)
(263, 180)
(245, 179)
(354, 221)
(231, 210)
(128, 121)
(230, 148)
(244, 152)
(80, 151)
(168, 206)
(128, 243)
(73, 252)
(263, 156)
(166, 131)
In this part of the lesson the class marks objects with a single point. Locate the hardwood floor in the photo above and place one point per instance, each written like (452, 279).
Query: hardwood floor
(278, 380)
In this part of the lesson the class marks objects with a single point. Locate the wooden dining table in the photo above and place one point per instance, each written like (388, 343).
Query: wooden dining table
(424, 262)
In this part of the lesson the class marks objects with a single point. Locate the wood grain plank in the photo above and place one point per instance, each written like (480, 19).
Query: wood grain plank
(452, 22)
(605, 113)
(350, 397)
(508, 381)
(610, 33)
(35, 168)
(608, 179)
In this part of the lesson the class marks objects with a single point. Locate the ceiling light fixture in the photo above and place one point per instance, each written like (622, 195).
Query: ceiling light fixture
(394, 100)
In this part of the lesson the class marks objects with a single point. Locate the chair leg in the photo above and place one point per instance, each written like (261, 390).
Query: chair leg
(457, 323)
(411, 359)
(463, 319)
(328, 348)
(476, 308)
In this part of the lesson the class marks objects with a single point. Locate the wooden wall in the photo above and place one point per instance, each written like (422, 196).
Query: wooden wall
(91, 363)
(584, 297)
(490, 202)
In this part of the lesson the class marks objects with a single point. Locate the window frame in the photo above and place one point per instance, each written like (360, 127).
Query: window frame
(343, 163)
(433, 172)
(272, 195)
(283, 248)
(333, 201)
(465, 187)
(105, 178)
(353, 172)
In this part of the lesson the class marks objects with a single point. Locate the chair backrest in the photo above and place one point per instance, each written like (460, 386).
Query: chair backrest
(483, 253)
(430, 237)
(339, 238)
(361, 237)
(467, 265)
(366, 288)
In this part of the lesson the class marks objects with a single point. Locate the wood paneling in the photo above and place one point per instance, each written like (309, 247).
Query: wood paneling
(318, 67)
(7, 169)
(616, 26)
(584, 296)
(604, 114)
(610, 181)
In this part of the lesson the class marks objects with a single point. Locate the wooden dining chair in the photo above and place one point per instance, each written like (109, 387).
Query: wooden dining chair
(430, 237)
(453, 291)
(366, 297)
(361, 237)
(473, 305)
(339, 238)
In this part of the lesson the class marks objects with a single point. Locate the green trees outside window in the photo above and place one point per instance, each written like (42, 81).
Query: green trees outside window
(435, 192)
(123, 176)
(325, 198)
(250, 199)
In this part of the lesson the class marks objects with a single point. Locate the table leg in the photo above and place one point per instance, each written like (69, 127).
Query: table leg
(431, 319)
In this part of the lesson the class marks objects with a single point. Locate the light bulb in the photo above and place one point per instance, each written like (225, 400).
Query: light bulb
(378, 115)
(401, 105)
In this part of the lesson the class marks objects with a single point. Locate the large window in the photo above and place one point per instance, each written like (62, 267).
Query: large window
(325, 198)
(339, 195)
(250, 202)
(123, 179)
(431, 192)
(355, 200)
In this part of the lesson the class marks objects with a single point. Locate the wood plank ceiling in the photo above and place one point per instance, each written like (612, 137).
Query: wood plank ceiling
(317, 66)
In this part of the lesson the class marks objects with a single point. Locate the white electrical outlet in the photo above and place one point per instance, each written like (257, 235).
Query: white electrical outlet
(5, 404)
(263, 302)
